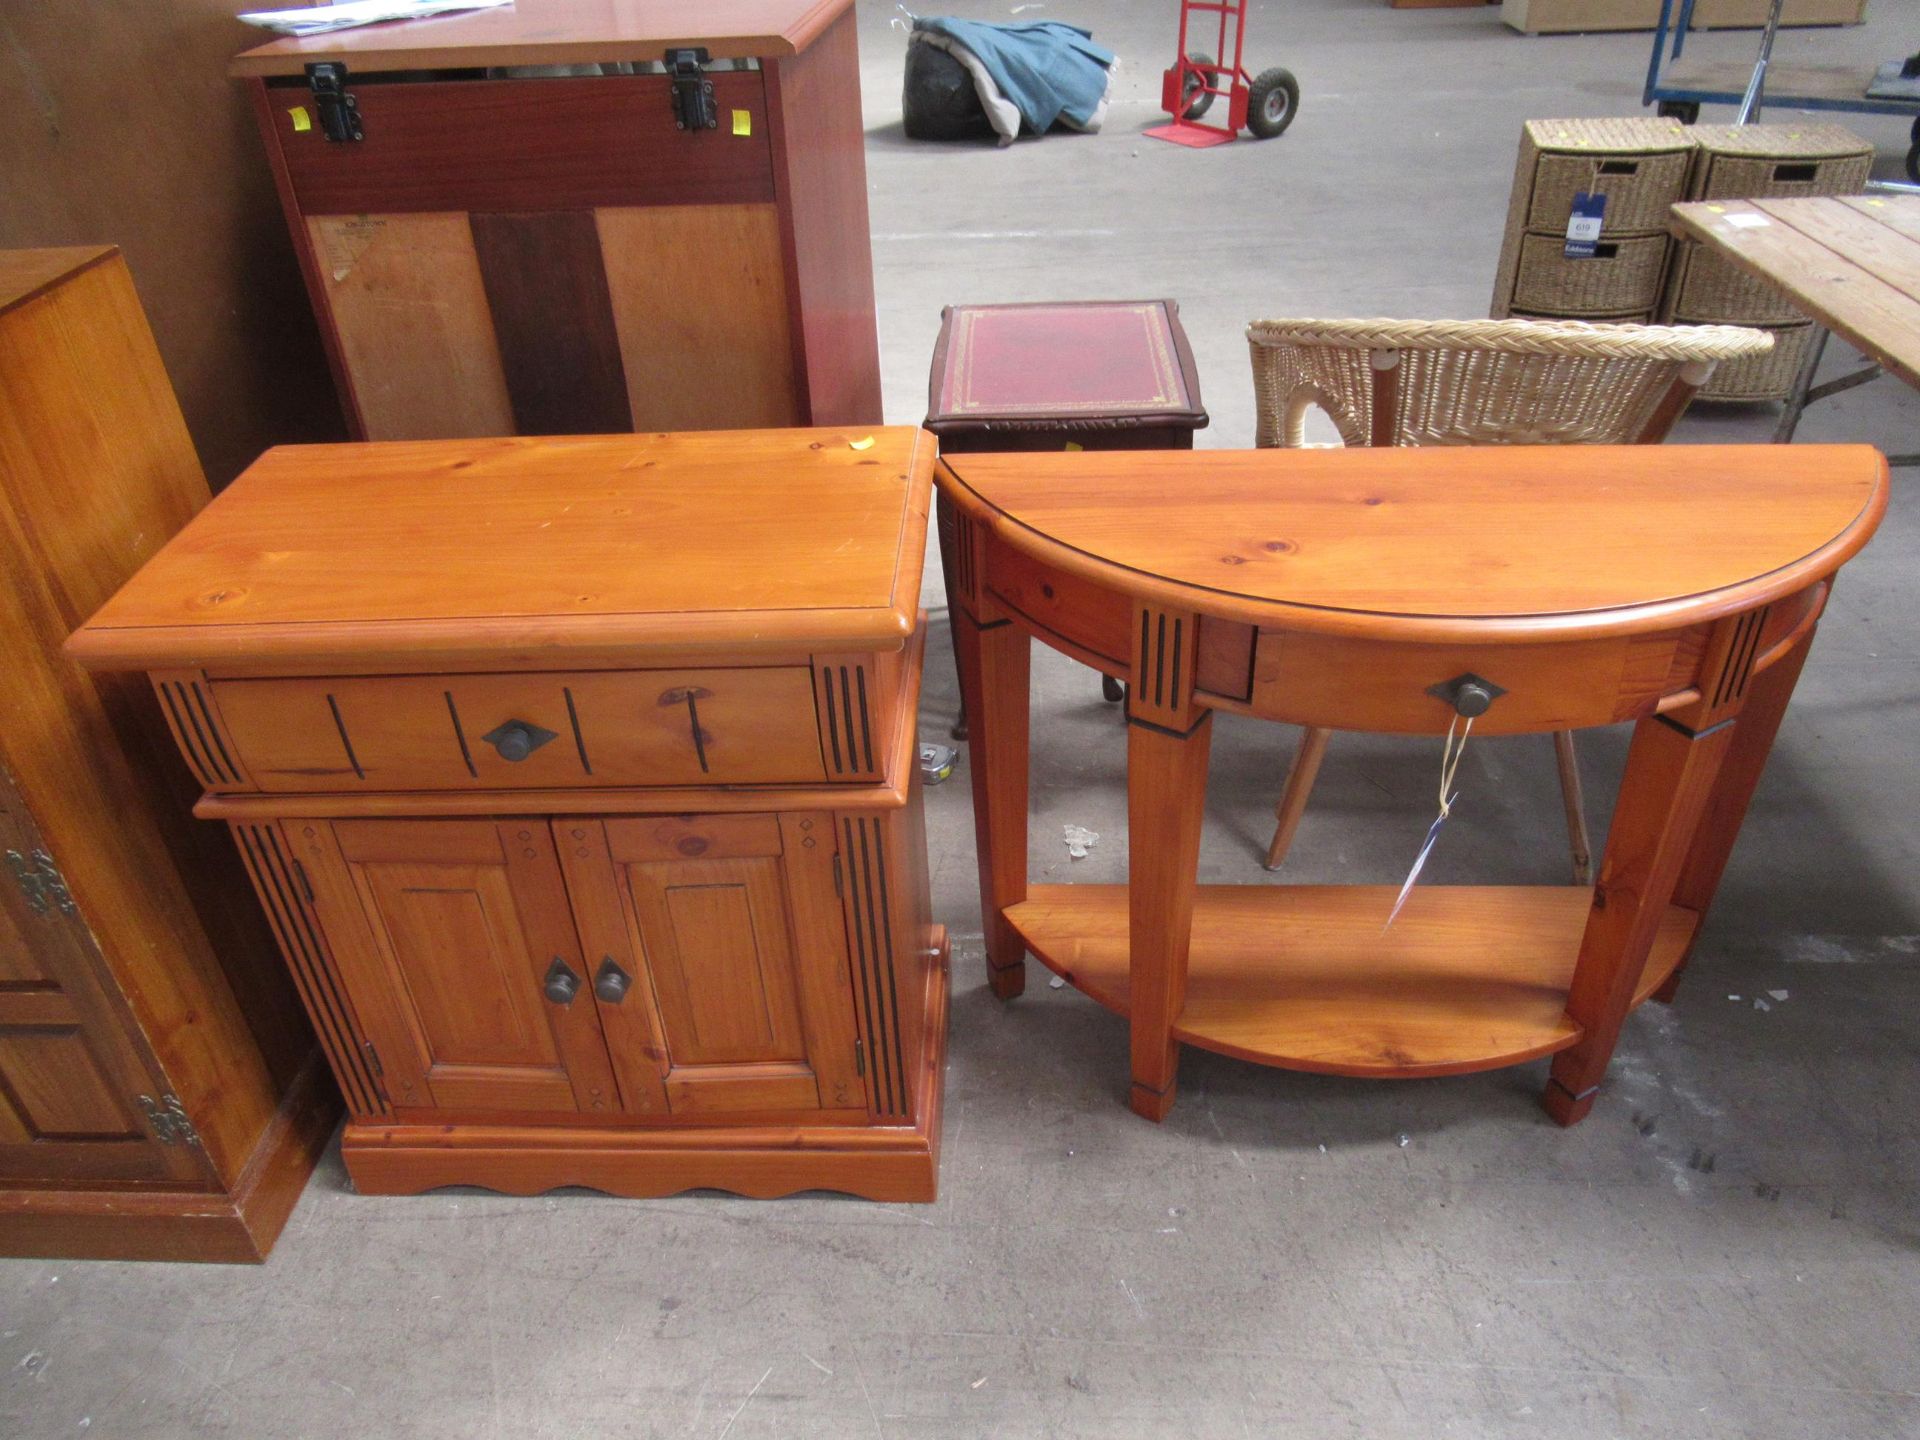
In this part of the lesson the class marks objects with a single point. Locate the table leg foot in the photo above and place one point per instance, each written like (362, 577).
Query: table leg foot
(1152, 1104)
(1008, 982)
(1669, 988)
(1564, 1106)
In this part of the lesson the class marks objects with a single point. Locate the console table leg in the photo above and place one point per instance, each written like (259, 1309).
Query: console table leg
(1166, 799)
(1706, 862)
(995, 666)
(1671, 769)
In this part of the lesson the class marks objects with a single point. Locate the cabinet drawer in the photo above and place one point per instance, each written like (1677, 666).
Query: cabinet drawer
(1350, 685)
(521, 731)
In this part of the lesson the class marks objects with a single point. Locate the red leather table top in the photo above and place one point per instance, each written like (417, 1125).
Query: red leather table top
(1072, 363)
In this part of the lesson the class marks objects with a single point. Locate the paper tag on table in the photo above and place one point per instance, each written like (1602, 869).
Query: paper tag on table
(1745, 222)
(319, 19)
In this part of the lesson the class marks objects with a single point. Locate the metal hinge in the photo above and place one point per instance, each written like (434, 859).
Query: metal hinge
(859, 1056)
(693, 107)
(169, 1120)
(41, 882)
(373, 1059)
(339, 112)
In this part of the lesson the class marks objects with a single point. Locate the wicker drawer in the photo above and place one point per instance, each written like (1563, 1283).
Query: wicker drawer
(520, 731)
(1764, 377)
(1765, 162)
(1709, 289)
(1622, 277)
(1639, 190)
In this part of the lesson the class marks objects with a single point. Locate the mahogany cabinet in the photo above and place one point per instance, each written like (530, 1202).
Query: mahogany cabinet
(160, 1095)
(560, 217)
(578, 777)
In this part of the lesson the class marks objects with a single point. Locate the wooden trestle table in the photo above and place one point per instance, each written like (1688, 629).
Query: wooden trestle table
(1534, 589)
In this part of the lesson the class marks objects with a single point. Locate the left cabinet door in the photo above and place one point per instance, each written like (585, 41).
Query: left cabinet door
(456, 943)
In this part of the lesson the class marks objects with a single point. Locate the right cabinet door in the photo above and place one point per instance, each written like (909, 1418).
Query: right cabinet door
(719, 959)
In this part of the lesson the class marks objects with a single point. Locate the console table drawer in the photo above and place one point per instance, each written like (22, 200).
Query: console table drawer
(519, 731)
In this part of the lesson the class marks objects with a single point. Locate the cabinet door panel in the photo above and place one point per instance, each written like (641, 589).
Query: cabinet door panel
(71, 1067)
(741, 998)
(445, 931)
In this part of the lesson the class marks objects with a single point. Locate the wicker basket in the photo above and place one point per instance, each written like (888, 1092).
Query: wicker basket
(1767, 162)
(1639, 317)
(1709, 289)
(1622, 276)
(1765, 377)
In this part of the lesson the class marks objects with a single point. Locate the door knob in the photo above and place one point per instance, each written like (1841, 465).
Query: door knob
(517, 739)
(561, 983)
(610, 982)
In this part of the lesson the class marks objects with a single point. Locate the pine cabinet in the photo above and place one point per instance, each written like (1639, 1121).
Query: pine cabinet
(579, 781)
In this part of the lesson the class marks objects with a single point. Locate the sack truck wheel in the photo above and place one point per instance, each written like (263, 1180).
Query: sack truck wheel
(1913, 163)
(1196, 100)
(1271, 102)
(1685, 111)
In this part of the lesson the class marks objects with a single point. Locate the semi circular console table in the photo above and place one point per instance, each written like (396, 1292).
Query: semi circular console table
(1536, 589)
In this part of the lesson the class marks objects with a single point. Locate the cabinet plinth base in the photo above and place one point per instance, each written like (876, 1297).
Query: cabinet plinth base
(236, 1228)
(888, 1163)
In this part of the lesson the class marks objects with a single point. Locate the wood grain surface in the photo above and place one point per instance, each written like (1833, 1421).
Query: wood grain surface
(1440, 544)
(435, 553)
(415, 334)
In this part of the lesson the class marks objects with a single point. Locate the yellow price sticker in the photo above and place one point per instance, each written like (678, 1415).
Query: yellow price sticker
(743, 122)
(302, 121)
(863, 444)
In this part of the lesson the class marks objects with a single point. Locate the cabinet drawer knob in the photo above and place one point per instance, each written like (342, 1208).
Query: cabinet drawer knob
(610, 982)
(1470, 695)
(517, 739)
(561, 983)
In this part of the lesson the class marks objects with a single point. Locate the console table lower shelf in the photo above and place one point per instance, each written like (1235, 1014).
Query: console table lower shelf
(1303, 977)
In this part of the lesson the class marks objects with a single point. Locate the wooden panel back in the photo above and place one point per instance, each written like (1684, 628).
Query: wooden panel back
(416, 336)
(700, 304)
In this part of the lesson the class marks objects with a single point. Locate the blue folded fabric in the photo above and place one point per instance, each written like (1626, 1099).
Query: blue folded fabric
(1047, 68)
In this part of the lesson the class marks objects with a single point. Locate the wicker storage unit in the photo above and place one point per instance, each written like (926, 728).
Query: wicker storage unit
(1640, 165)
(1765, 377)
(1757, 162)
(1766, 162)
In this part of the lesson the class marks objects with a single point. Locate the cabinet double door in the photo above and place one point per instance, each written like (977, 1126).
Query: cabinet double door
(638, 967)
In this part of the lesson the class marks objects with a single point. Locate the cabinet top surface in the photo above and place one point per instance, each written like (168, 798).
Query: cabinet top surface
(1510, 542)
(27, 273)
(557, 32)
(505, 551)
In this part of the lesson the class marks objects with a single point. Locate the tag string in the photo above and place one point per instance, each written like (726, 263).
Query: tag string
(1450, 762)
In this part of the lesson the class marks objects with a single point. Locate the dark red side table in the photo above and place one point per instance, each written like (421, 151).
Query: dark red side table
(1063, 375)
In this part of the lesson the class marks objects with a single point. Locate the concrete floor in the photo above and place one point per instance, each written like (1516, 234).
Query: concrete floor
(1729, 1247)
